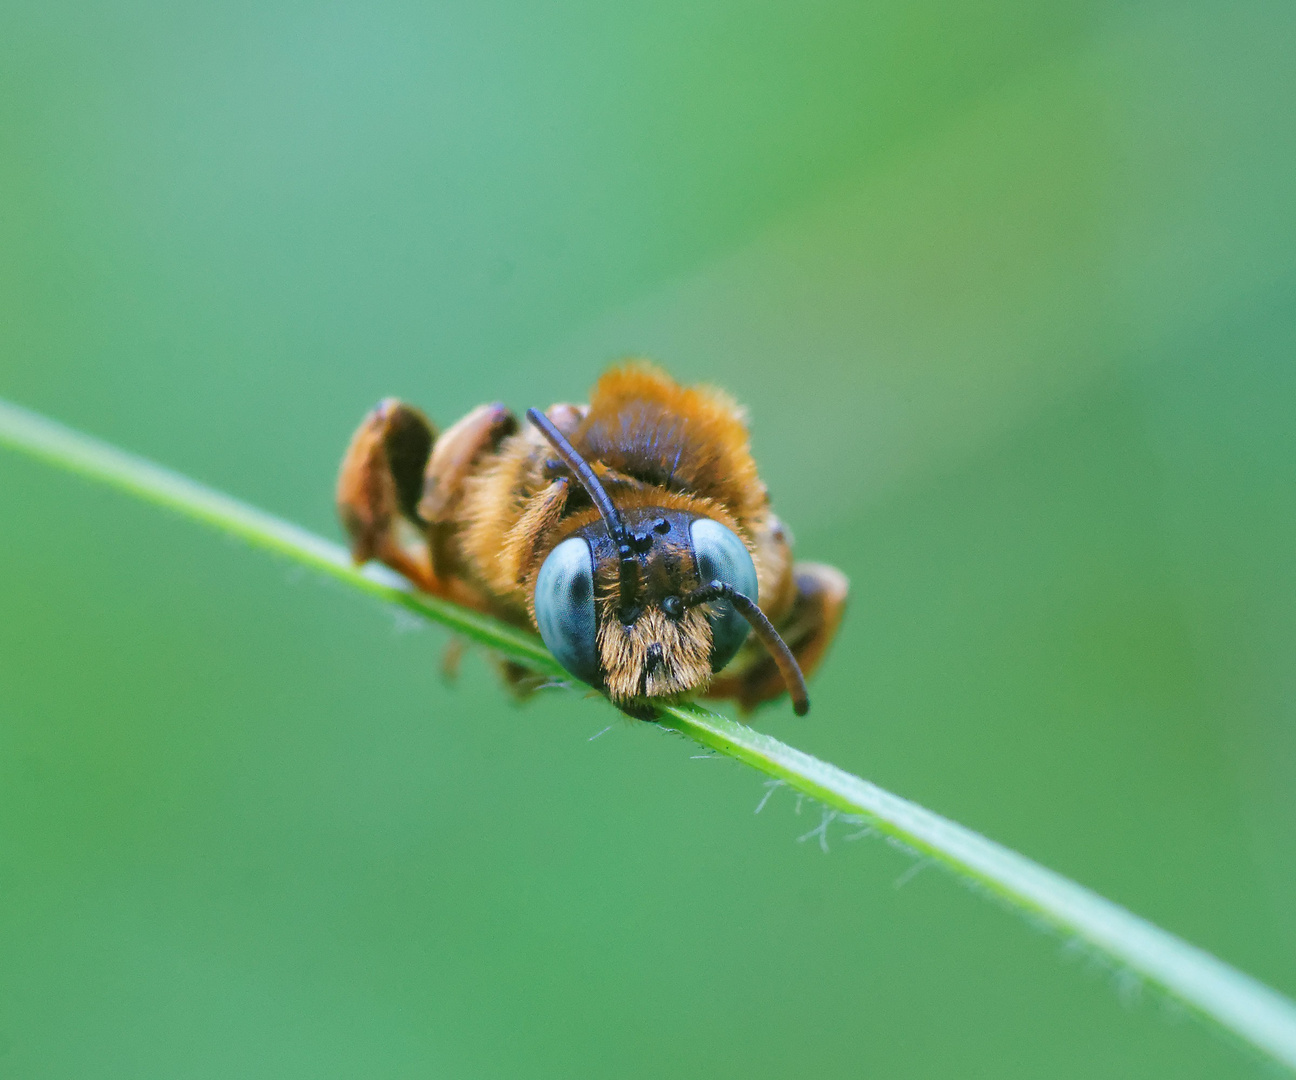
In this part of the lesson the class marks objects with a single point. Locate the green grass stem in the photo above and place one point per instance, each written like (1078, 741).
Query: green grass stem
(1206, 985)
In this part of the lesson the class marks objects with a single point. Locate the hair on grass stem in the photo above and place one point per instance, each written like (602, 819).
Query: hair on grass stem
(919, 865)
(821, 830)
(1129, 988)
(865, 826)
(771, 786)
(1204, 984)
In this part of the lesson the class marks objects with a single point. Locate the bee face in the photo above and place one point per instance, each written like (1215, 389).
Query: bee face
(658, 649)
(648, 647)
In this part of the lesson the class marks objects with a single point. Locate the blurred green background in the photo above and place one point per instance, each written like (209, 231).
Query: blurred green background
(1009, 290)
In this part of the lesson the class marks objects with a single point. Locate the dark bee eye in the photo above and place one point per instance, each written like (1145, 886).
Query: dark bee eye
(564, 608)
(721, 556)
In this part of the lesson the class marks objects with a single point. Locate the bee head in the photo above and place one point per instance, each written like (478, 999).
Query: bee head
(649, 604)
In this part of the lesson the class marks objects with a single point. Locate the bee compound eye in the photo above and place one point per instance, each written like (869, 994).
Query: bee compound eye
(722, 556)
(564, 608)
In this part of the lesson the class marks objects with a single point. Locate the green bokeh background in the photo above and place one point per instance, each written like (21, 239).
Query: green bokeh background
(1009, 290)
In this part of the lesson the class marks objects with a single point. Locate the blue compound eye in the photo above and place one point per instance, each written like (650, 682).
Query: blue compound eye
(564, 608)
(721, 556)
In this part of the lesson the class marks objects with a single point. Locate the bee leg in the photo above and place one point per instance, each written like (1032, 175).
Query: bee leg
(453, 460)
(808, 628)
(378, 489)
(521, 682)
(451, 660)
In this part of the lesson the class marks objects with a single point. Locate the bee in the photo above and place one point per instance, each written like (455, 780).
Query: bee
(634, 533)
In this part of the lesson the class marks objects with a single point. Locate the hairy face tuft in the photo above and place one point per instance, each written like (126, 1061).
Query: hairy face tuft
(656, 656)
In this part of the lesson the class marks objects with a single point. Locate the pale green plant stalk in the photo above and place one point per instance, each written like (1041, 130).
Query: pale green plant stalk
(1206, 985)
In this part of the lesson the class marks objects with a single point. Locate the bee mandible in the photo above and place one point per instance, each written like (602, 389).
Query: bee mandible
(634, 533)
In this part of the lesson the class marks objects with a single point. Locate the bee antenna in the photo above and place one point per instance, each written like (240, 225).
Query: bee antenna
(764, 629)
(629, 564)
